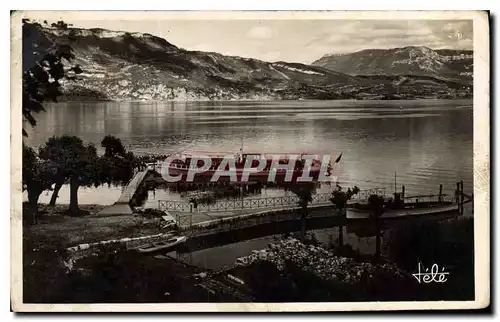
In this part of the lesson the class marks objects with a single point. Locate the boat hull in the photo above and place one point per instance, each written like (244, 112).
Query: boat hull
(161, 246)
(356, 214)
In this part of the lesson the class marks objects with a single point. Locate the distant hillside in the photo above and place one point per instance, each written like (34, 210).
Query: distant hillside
(444, 63)
(123, 66)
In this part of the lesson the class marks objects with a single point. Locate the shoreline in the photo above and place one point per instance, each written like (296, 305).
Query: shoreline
(132, 230)
(471, 99)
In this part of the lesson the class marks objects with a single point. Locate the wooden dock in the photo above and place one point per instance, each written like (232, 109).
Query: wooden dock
(121, 206)
(131, 188)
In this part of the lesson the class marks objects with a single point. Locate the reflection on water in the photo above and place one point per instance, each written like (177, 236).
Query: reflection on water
(425, 142)
(226, 255)
(358, 235)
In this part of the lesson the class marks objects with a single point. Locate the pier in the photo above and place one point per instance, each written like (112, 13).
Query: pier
(234, 220)
(122, 205)
(131, 188)
(238, 213)
(257, 204)
(197, 215)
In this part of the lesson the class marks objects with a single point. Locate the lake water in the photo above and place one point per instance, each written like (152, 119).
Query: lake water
(226, 255)
(426, 142)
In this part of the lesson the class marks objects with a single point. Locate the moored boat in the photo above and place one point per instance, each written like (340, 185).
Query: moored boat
(249, 167)
(162, 245)
(405, 207)
(356, 214)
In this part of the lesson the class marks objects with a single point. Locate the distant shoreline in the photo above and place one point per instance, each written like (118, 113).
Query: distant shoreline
(277, 100)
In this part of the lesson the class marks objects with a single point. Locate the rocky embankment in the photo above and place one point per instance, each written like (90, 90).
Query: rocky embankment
(321, 262)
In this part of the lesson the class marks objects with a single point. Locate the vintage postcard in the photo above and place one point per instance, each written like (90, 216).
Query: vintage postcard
(250, 161)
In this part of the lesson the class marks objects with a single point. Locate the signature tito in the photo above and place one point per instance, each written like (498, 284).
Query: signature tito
(434, 275)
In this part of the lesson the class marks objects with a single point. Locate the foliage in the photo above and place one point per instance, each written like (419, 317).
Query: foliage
(130, 278)
(340, 197)
(71, 155)
(117, 165)
(38, 175)
(304, 191)
(73, 159)
(66, 159)
(44, 273)
(116, 170)
(113, 276)
(77, 161)
(376, 204)
(112, 146)
(60, 25)
(41, 78)
(295, 284)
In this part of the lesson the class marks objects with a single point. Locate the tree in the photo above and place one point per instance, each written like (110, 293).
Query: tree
(77, 161)
(59, 181)
(112, 146)
(340, 199)
(42, 76)
(304, 191)
(376, 204)
(60, 25)
(117, 165)
(38, 175)
(117, 170)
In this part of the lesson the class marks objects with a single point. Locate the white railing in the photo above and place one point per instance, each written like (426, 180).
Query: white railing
(258, 203)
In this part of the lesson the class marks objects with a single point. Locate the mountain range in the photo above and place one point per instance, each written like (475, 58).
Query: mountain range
(448, 64)
(137, 66)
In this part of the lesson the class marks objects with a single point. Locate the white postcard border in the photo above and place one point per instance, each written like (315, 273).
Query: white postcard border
(481, 161)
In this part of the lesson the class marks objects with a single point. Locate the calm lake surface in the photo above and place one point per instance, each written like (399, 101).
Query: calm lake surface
(426, 142)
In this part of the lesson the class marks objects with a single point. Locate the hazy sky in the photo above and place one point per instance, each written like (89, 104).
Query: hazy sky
(297, 40)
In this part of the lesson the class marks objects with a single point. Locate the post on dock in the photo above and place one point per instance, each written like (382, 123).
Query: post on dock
(440, 193)
(395, 185)
(461, 196)
(457, 193)
(403, 192)
(242, 195)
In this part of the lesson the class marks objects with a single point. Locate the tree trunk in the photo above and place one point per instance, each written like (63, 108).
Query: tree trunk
(377, 238)
(341, 235)
(73, 198)
(33, 196)
(341, 227)
(55, 194)
(303, 219)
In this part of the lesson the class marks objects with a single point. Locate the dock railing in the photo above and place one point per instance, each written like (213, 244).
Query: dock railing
(258, 203)
(428, 199)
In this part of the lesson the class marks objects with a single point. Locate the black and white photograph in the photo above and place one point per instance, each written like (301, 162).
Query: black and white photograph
(250, 161)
